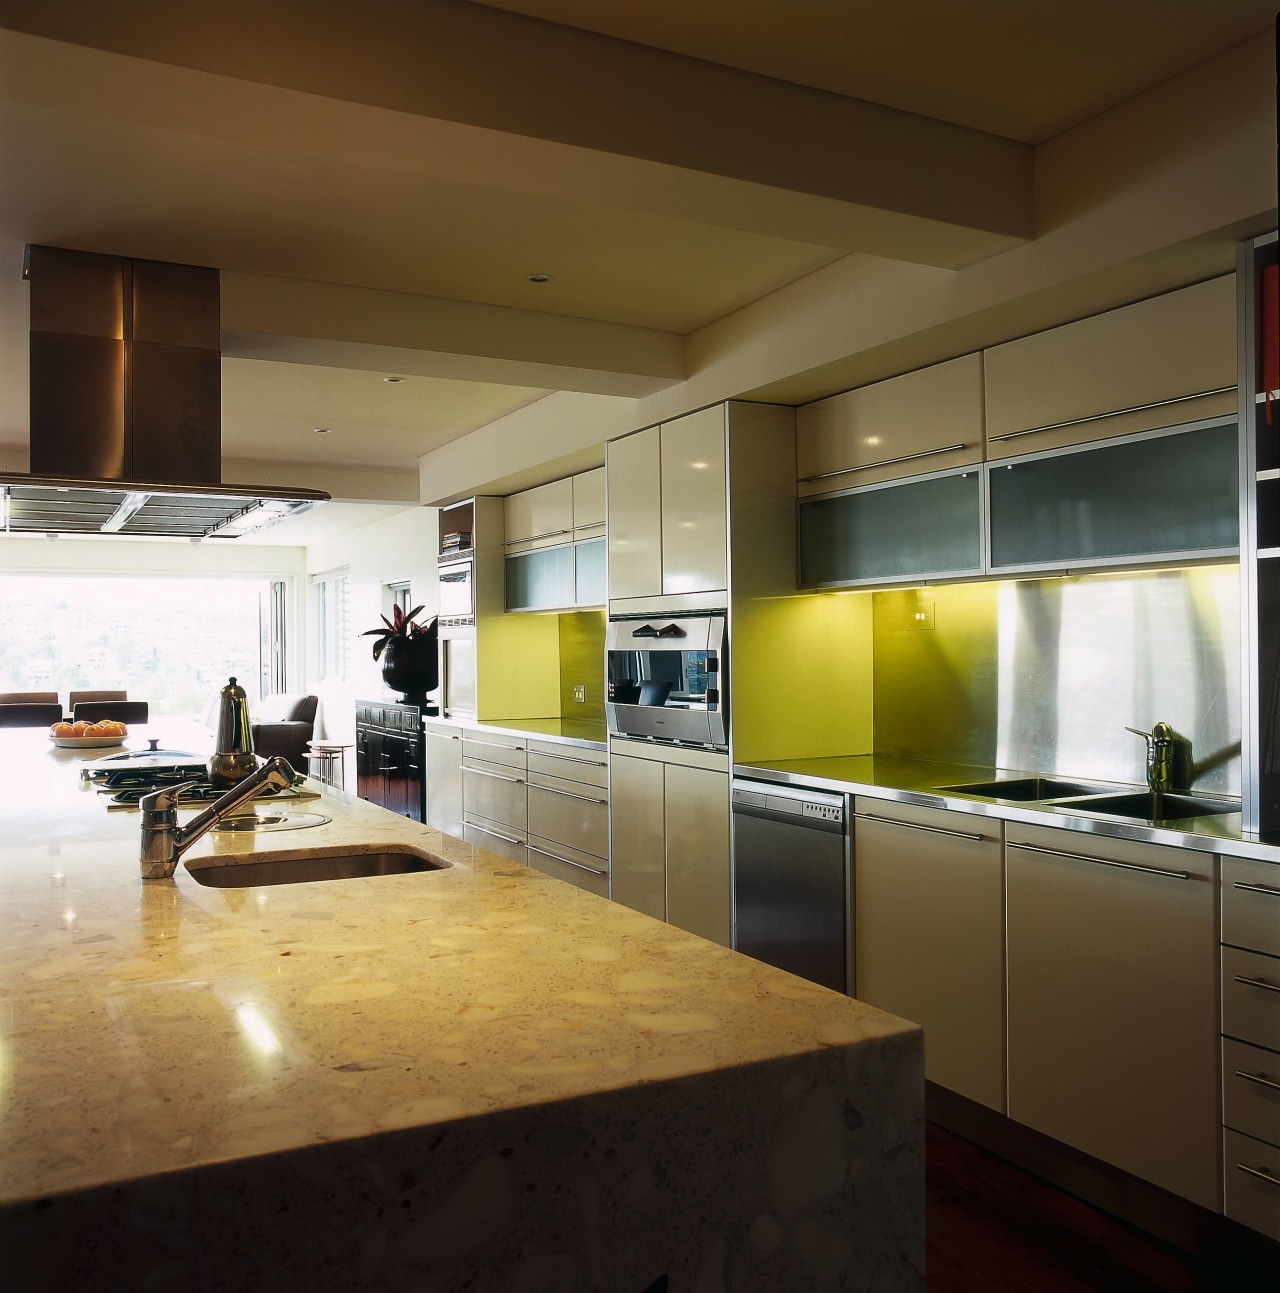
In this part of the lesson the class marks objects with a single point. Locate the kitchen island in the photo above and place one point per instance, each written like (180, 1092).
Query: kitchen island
(472, 1076)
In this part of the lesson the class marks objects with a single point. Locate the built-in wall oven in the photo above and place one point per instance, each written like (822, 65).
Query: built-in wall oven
(667, 679)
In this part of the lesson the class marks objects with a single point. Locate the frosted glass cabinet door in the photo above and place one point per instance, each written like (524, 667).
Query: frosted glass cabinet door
(589, 587)
(1154, 496)
(540, 580)
(695, 551)
(928, 526)
(635, 515)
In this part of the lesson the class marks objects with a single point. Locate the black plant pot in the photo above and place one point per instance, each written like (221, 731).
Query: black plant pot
(410, 666)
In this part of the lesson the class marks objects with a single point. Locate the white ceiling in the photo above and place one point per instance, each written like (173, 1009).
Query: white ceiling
(1024, 69)
(270, 411)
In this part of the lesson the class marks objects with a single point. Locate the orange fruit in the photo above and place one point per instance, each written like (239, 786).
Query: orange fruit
(80, 727)
(62, 729)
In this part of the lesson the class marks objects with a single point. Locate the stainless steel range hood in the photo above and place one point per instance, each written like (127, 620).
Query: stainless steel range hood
(126, 406)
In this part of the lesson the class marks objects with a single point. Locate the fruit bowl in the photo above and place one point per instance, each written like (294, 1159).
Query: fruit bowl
(91, 741)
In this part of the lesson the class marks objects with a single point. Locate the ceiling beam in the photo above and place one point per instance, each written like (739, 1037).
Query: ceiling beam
(483, 96)
(397, 332)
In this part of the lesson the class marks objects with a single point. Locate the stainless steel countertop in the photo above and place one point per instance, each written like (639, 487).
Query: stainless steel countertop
(585, 735)
(912, 781)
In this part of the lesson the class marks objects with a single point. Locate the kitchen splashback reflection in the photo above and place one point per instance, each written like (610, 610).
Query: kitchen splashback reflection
(1045, 675)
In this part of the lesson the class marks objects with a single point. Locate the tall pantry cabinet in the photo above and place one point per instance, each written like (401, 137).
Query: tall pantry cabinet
(670, 506)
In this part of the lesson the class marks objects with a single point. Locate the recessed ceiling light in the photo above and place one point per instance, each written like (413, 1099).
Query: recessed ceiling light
(322, 430)
(539, 278)
(393, 380)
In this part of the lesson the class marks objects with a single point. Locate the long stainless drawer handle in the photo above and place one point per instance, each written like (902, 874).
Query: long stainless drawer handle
(497, 835)
(1257, 888)
(1113, 413)
(570, 758)
(568, 794)
(1084, 857)
(555, 857)
(882, 462)
(1257, 983)
(546, 534)
(1259, 1078)
(495, 745)
(1262, 1176)
(497, 776)
(915, 826)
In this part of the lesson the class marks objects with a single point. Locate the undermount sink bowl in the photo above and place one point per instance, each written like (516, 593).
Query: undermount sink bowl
(1026, 789)
(342, 866)
(1148, 807)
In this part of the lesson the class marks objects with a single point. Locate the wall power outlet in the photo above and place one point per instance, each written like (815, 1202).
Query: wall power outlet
(580, 692)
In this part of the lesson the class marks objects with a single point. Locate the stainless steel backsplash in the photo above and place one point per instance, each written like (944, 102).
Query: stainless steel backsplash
(1045, 674)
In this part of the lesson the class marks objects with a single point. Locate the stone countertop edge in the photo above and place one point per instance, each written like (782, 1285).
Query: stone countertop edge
(155, 1027)
(925, 784)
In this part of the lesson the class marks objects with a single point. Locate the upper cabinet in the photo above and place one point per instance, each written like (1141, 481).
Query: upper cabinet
(668, 524)
(634, 474)
(695, 536)
(920, 422)
(540, 516)
(555, 544)
(1157, 363)
(588, 501)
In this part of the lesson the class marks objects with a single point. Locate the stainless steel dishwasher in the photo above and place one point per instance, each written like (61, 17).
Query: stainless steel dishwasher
(791, 880)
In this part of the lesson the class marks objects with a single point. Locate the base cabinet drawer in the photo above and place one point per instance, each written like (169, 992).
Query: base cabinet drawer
(1251, 1090)
(1252, 1170)
(494, 793)
(1114, 1043)
(928, 919)
(1251, 997)
(1251, 904)
(570, 814)
(569, 765)
(575, 868)
(494, 748)
(495, 837)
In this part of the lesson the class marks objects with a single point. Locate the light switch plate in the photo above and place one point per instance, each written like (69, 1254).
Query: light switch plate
(580, 692)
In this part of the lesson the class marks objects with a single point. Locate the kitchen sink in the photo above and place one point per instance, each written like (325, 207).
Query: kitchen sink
(1027, 789)
(1149, 807)
(341, 866)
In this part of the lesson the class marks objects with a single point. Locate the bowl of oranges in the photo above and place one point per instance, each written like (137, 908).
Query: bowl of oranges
(88, 736)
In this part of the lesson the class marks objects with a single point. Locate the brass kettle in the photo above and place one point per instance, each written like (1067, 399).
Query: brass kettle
(233, 757)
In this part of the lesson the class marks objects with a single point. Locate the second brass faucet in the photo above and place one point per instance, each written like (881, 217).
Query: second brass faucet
(1160, 743)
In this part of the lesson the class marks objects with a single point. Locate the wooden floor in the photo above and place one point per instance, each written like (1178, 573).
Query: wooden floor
(993, 1228)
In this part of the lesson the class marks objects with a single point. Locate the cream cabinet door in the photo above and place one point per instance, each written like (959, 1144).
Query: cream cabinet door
(699, 872)
(543, 515)
(637, 831)
(588, 499)
(1171, 346)
(695, 551)
(928, 919)
(634, 484)
(920, 422)
(1113, 1003)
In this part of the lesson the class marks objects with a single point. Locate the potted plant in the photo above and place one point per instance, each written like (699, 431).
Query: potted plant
(408, 654)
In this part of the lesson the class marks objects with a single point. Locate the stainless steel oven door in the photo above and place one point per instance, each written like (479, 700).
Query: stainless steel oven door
(666, 679)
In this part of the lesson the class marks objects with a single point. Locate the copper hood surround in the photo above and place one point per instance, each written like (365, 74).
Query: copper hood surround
(126, 406)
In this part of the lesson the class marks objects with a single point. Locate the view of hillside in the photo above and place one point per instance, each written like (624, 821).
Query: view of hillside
(171, 642)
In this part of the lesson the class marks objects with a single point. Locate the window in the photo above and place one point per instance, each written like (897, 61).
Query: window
(398, 595)
(332, 597)
(171, 641)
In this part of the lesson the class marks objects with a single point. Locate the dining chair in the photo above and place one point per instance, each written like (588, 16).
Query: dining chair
(30, 715)
(123, 711)
(28, 697)
(76, 697)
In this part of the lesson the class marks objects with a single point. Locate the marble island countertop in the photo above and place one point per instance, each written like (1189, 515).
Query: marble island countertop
(167, 1027)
